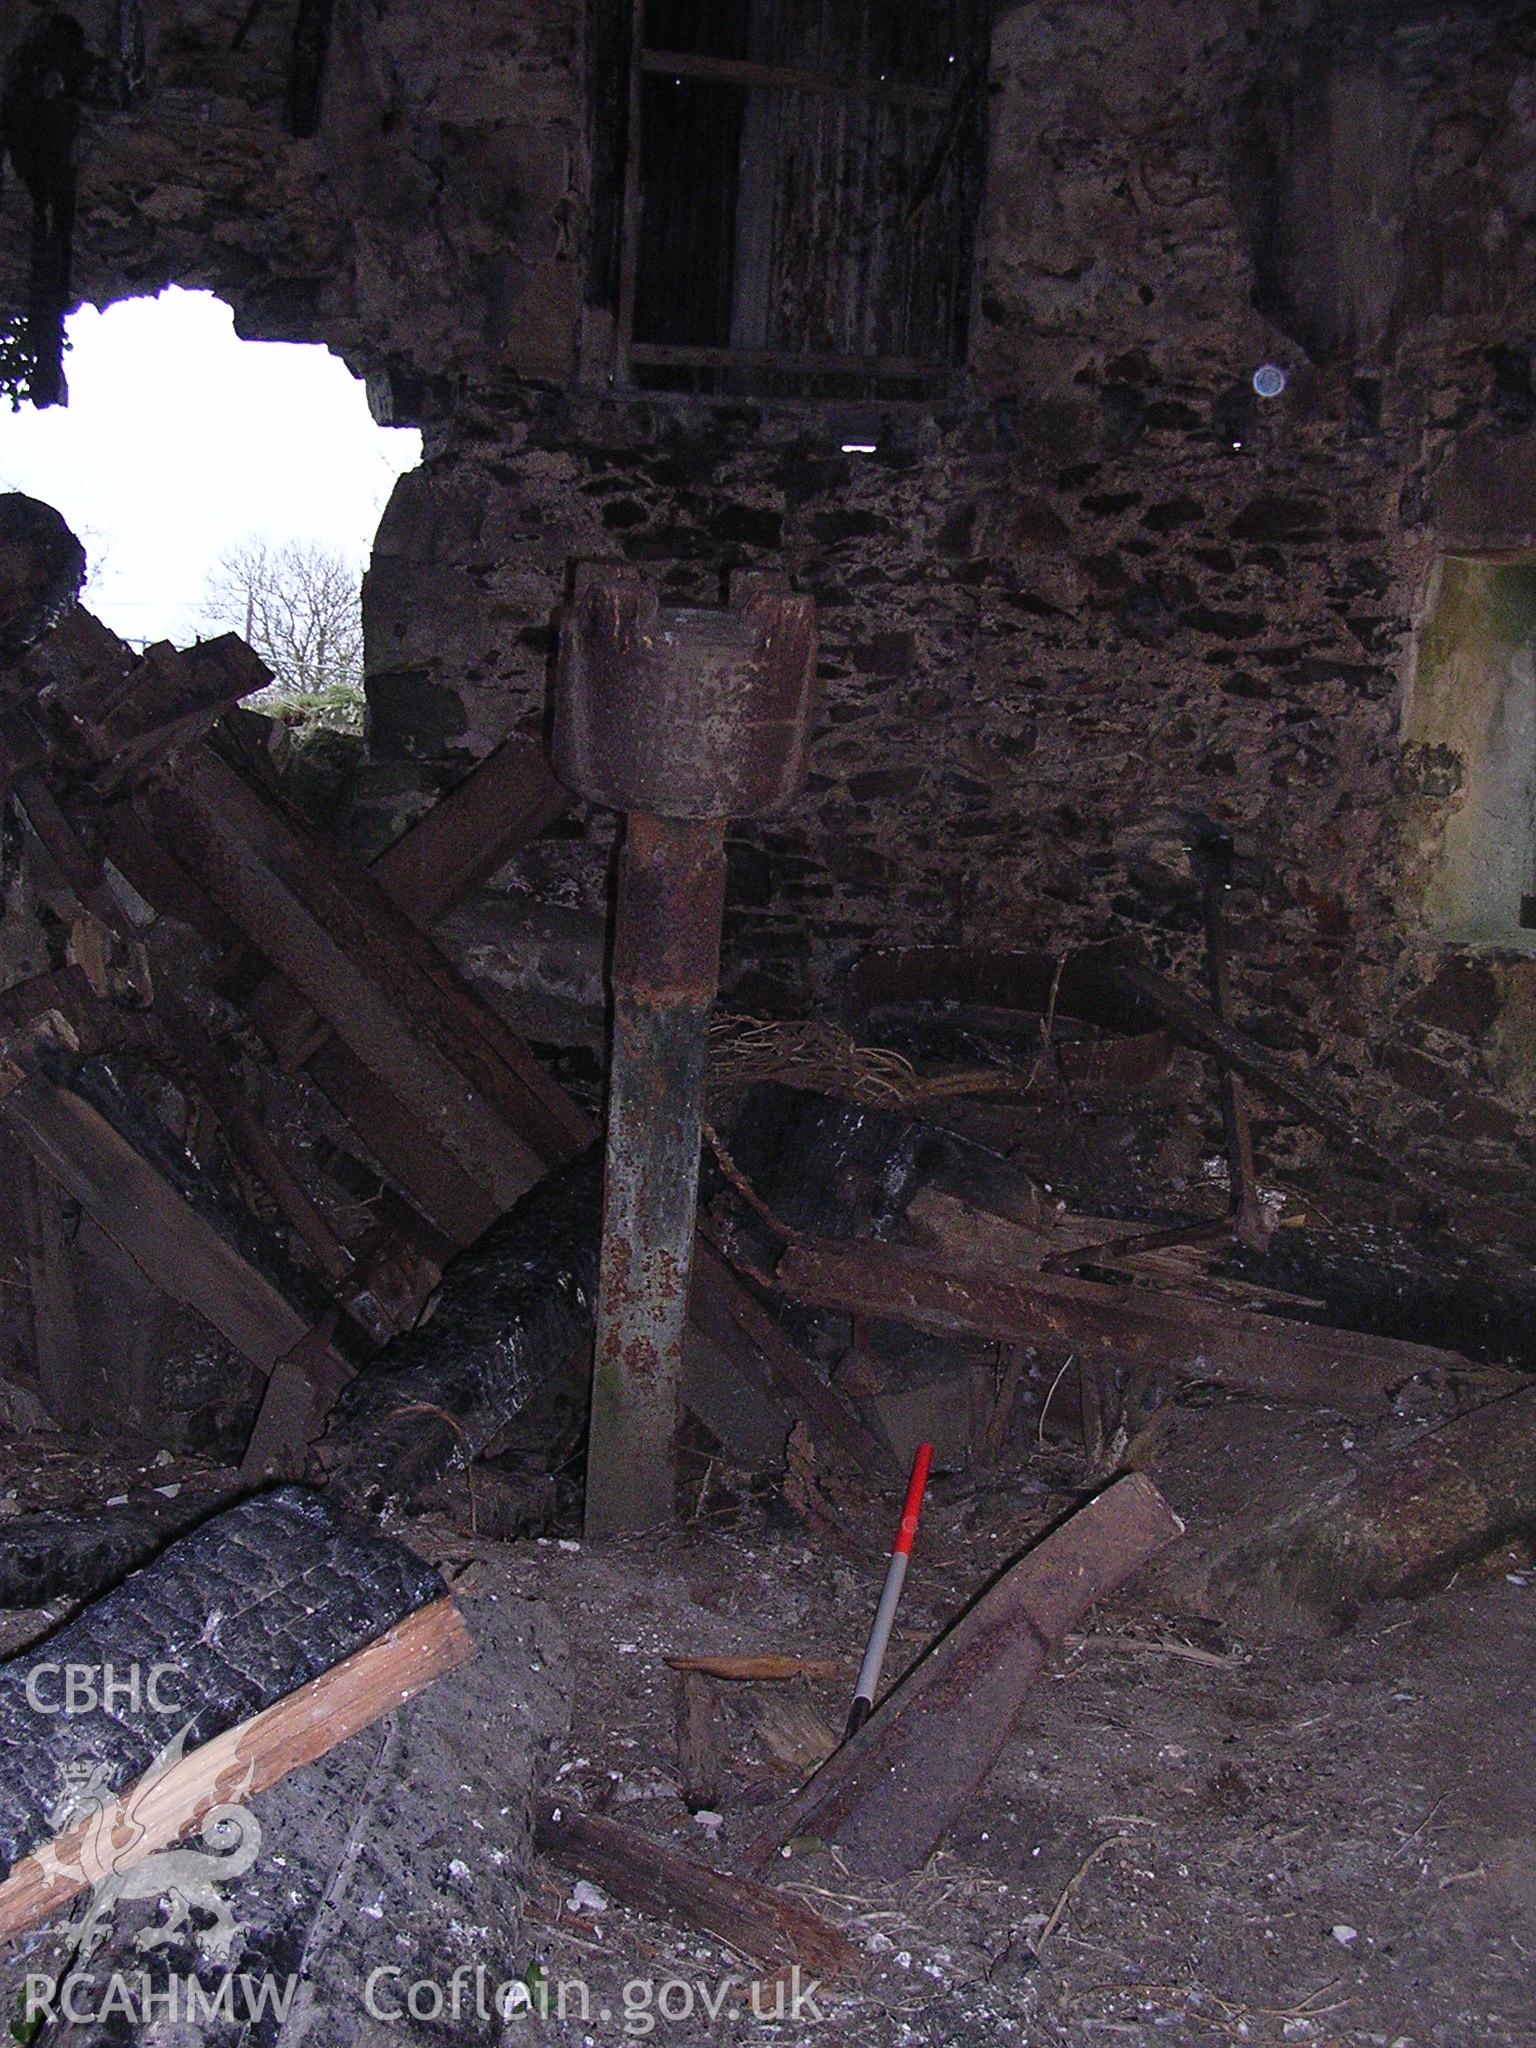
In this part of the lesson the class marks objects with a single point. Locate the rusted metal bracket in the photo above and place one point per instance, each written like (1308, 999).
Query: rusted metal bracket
(889, 1796)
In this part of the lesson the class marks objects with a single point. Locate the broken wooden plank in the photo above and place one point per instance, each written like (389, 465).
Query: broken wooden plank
(892, 1792)
(482, 1103)
(138, 853)
(644, 1873)
(353, 904)
(167, 1803)
(1195, 1339)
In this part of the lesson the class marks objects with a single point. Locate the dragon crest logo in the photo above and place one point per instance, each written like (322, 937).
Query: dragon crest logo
(103, 1849)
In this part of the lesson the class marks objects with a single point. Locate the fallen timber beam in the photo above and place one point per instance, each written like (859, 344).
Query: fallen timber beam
(652, 1878)
(360, 913)
(894, 1789)
(52, 1279)
(1256, 1354)
(80, 1551)
(332, 939)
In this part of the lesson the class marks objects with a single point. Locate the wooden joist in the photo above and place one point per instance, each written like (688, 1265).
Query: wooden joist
(338, 941)
(501, 805)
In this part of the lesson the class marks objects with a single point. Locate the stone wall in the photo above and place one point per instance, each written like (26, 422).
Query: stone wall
(1102, 592)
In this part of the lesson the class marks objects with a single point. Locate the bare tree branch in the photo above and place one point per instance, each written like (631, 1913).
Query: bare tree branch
(299, 606)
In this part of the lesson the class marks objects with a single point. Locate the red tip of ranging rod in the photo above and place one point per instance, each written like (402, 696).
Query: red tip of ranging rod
(890, 1593)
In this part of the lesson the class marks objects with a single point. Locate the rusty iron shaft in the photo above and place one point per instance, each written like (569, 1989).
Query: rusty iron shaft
(681, 717)
(665, 964)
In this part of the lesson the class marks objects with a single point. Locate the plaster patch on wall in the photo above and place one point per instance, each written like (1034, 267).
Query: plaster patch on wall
(1474, 702)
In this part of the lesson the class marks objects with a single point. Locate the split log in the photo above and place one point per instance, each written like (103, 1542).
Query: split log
(249, 1607)
(894, 1789)
(1256, 1354)
(644, 1873)
(172, 1799)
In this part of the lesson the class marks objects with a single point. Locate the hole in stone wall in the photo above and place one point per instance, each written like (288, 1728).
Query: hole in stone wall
(1472, 731)
(218, 485)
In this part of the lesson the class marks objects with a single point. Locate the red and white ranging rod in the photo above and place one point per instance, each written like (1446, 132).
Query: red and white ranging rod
(890, 1593)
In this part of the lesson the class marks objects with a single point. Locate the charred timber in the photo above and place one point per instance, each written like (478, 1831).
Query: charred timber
(511, 1311)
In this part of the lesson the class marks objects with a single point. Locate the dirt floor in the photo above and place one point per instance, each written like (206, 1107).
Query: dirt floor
(1194, 1834)
(1191, 1836)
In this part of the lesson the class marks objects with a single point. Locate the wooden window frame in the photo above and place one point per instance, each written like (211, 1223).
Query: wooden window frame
(876, 375)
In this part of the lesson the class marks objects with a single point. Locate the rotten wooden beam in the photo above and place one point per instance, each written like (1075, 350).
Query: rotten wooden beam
(168, 1240)
(891, 1793)
(1195, 1339)
(647, 1875)
(167, 1804)
(1402, 1524)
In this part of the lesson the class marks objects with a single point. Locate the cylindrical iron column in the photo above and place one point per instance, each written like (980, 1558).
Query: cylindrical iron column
(680, 718)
